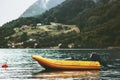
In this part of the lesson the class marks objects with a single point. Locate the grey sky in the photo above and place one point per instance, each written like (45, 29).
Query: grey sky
(12, 9)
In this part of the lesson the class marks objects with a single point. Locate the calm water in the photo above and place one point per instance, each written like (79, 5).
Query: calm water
(22, 66)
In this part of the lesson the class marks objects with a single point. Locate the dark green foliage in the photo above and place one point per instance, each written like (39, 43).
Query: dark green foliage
(7, 29)
(99, 23)
(48, 41)
(24, 37)
(3, 42)
(65, 12)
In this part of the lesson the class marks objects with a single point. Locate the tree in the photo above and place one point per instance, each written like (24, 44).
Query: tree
(24, 37)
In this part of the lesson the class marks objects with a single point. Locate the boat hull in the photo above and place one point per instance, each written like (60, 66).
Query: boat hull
(51, 64)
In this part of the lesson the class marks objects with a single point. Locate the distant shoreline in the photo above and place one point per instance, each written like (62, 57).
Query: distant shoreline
(118, 48)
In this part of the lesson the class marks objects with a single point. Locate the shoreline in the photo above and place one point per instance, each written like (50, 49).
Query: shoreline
(116, 48)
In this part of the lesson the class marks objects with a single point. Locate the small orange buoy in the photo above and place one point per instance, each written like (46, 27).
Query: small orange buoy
(4, 66)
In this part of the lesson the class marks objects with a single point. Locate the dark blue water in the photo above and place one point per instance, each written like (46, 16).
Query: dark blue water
(22, 66)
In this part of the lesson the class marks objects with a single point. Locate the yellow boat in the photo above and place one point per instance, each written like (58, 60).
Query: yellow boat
(51, 64)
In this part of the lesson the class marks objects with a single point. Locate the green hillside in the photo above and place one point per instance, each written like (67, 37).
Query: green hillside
(99, 23)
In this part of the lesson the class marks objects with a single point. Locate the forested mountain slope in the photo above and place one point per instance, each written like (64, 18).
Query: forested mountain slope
(98, 20)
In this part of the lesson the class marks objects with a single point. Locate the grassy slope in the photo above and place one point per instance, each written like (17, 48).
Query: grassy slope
(44, 36)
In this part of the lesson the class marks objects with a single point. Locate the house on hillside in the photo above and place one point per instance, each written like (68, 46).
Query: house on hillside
(38, 24)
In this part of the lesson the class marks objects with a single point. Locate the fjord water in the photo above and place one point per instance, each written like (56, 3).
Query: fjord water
(22, 66)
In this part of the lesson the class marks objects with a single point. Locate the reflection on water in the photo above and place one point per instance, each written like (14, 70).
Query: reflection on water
(22, 66)
(93, 74)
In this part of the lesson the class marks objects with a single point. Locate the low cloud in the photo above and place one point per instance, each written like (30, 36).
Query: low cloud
(44, 3)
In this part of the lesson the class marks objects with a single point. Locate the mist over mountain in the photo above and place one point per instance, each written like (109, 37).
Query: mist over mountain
(40, 6)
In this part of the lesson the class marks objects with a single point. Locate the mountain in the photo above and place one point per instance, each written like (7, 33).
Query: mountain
(67, 11)
(98, 20)
(87, 14)
(40, 6)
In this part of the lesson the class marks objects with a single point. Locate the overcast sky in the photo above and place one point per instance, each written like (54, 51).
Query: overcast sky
(12, 9)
